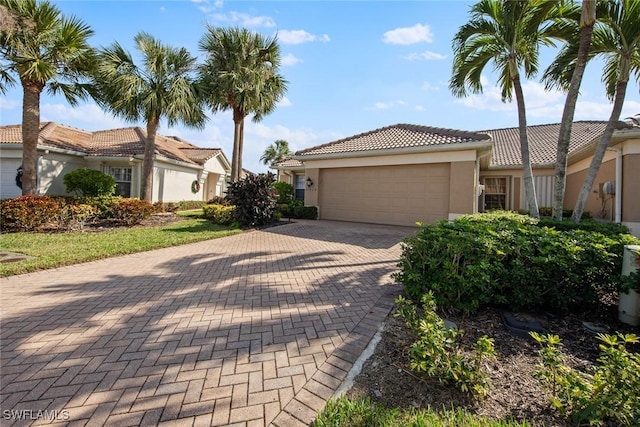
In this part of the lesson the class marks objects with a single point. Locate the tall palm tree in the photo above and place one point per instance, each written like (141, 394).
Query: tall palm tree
(587, 21)
(509, 34)
(162, 87)
(241, 74)
(276, 152)
(46, 51)
(616, 38)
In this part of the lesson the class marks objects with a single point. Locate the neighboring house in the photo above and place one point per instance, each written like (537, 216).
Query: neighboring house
(403, 174)
(178, 164)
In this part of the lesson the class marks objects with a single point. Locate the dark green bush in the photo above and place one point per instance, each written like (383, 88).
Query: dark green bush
(218, 200)
(29, 213)
(305, 212)
(219, 214)
(131, 211)
(285, 192)
(606, 228)
(506, 259)
(547, 211)
(89, 182)
(254, 198)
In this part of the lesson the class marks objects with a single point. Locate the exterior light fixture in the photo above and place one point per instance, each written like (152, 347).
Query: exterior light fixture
(309, 182)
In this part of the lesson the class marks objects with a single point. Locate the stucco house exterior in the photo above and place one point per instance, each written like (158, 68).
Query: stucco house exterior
(402, 174)
(119, 153)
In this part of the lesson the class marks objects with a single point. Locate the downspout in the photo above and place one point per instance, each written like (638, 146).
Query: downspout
(618, 198)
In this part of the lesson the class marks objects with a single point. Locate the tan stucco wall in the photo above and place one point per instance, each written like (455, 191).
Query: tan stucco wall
(594, 203)
(631, 188)
(311, 193)
(462, 184)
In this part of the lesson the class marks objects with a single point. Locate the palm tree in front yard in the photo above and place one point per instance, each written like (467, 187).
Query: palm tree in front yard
(616, 38)
(276, 152)
(241, 74)
(162, 87)
(509, 34)
(45, 50)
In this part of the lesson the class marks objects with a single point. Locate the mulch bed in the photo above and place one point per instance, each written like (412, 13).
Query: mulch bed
(387, 378)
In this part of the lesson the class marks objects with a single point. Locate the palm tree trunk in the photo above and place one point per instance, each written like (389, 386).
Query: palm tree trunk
(527, 173)
(587, 21)
(601, 148)
(240, 148)
(147, 163)
(237, 135)
(30, 134)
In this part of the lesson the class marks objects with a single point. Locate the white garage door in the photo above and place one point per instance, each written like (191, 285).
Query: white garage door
(398, 195)
(8, 170)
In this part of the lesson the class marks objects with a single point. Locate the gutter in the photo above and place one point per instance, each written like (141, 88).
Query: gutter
(476, 145)
(618, 199)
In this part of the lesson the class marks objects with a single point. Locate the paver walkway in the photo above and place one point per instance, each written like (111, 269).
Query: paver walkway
(254, 329)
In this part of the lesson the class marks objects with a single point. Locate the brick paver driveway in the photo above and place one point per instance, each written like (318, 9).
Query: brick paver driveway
(254, 329)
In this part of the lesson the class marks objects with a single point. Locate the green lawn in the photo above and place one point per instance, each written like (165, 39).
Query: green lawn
(363, 412)
(58, 249)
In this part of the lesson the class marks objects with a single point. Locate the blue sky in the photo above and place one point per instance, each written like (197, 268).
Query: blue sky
(352, 66)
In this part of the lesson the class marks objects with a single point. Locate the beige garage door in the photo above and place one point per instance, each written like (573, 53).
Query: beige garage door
(398, 195)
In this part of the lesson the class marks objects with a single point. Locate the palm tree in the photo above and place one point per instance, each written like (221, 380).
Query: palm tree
(616, 38)
(509, 34)
(276, 152)
(587, 20)
(241, 73)
(163, 87)
(50, 52)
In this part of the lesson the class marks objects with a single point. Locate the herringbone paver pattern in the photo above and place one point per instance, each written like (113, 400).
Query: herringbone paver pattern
(249, 330)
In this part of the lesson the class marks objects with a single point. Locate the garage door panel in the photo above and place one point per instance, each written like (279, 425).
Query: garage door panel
(400, 195)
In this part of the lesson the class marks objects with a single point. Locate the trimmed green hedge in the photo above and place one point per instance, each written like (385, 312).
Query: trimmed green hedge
(511, 260)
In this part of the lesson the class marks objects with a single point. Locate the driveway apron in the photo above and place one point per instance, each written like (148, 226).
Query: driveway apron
(254, 329)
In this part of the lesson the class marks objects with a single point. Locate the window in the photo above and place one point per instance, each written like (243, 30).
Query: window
(122, 176)
(299, 187)
(495, 193)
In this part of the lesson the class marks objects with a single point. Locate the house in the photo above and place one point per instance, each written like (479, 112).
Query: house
(402, 174)
(182, 171)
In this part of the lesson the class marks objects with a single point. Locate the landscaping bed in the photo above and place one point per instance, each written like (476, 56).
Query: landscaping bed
(387, 378)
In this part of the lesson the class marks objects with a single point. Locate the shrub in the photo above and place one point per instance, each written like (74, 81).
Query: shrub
(254, 199)
(103, 204)
(131, 211)
(608, 393)
(219, 214)
(89, 182)
(188, 205)
(74, 215)
(217, 200)
(30, 212)
(437, 351)
(305, 212)
(506, 259)
(285, 192)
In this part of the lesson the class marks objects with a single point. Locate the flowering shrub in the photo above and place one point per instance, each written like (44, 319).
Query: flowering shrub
(29, 213)
(219, 214)
(131, 211)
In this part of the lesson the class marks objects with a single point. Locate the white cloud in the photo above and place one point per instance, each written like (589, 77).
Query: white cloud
(8, 104)
(284, 102)
(545, 105)
(385, 105)
(207, 6)
(290, 59)
(424, 56)
(429, 87)
(299, 37)
(419, 108)
(243, 19)
(408, 35)
(90, 116)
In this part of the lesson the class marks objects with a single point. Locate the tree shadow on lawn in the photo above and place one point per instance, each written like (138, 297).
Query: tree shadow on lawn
(135, 342)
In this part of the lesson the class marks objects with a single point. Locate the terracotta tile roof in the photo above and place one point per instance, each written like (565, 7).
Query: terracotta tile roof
(395, 137)
(543, 140)
(122, 142)
(289, 163)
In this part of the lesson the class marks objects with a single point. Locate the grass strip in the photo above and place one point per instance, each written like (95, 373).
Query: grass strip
(52, 250)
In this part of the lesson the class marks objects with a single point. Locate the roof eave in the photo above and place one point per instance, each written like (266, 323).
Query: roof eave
(472, 145)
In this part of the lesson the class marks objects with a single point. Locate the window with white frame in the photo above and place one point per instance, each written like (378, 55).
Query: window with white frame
(300, 186)
(122, 176)
(495, 193)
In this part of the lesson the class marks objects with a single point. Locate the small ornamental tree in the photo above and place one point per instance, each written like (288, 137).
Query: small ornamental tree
(254, 198)
(89, 182)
